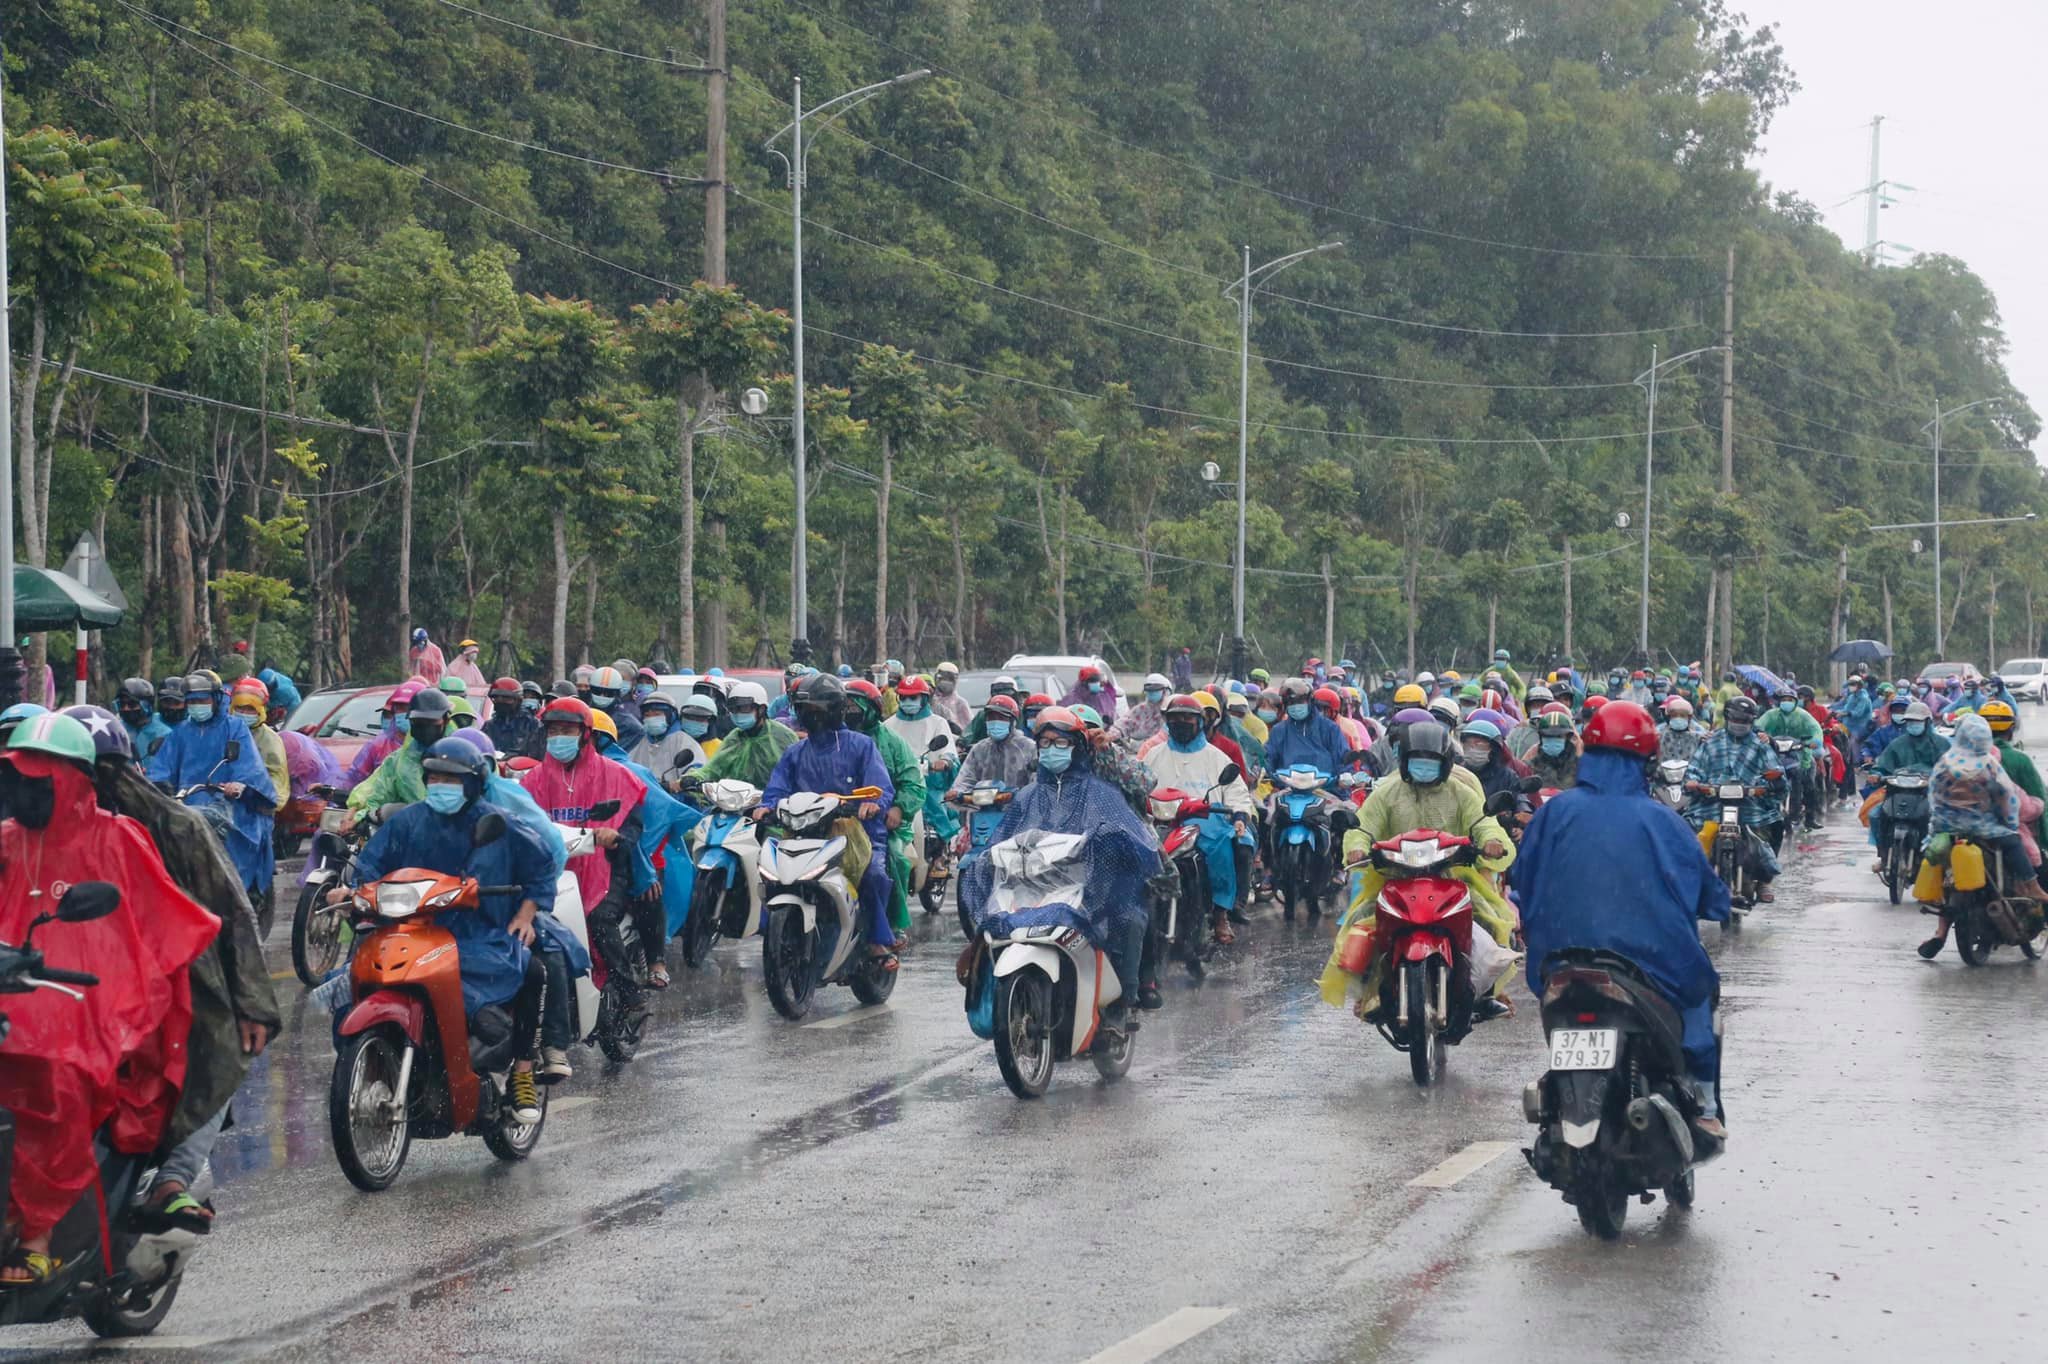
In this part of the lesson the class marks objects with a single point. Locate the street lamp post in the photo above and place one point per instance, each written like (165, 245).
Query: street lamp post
(10, 660)
(1246, 286)
(1647, 381)
(796, 163)
(1935, 426)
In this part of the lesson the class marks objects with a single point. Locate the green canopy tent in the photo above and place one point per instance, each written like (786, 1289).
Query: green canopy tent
(48, 600)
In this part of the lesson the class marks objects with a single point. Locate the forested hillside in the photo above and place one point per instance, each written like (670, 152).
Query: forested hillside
(434, 264)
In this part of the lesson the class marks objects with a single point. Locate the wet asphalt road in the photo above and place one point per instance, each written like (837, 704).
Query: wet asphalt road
(863, 1186)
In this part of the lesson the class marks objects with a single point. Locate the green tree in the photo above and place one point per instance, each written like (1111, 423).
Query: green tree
(896, 399)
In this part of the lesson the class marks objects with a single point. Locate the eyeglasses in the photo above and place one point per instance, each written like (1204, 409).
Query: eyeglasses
(1056, 741)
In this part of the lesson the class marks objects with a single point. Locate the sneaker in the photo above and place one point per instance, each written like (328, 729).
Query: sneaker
(1764, 896)
(1490, 1008)
(523, 1097)
(554, 1065)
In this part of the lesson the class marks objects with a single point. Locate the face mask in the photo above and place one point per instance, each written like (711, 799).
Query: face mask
(643, 690)
(945, 686)
(530, 706)
(427, 733)
(1916, 728)
(562, 747)
(1094, 688)
(32, 802)
(444, 798)
(656, 725)
(1681, 723)
(1478, 754)
(1423, 771)
(199, 713)
(1297, 710)
(744, 719)
(1055, 760)
(1268, 716)
(999, 730)
(1739, 729)
(1553, 748)
(696, 729)
(401, 724)
(910, 710)
(1154, 695)
(1787, 707)
(604, 701)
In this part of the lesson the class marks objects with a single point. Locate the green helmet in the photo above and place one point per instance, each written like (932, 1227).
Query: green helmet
(1471, 691)
(1089, 717)
(58, 735)
(453, 685)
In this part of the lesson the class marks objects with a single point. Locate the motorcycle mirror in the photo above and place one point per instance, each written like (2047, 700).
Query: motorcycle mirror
(1531, 785)
(604, 810)
(233, 751)
(1228, 775)
(88, 900)
(683, 759)
(1500, 803)
(488, 830)
(939, 743)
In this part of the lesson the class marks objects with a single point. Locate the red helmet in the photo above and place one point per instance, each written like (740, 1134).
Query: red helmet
(866, 690)
(1327, 696)
(1638, 675)
(1490, 699)
(505, 689)
(1038, 699)
(1556, 708)
(1623, 725)
(1597, 702)
(913, 685)
(1091, 673)
(1000, 704)
(565, 710)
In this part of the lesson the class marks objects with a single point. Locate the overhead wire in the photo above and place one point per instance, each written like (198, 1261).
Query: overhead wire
(669, 62)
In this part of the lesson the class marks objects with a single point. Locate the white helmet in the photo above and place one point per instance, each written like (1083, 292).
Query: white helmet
(749, 691)
(1445, 709)
(1158, 680)
(697, 703)
(1423, 679)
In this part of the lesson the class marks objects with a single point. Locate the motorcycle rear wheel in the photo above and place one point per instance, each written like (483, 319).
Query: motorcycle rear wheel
(1679, 1192)
(1894, 871)
(1112, 1063)
(1425, 1047)
(1023, 1032)
(370, 1147)
(510, 1141)
(316, 935)
(112, 1319)
(618, 1028)
(786, 952)
(1602, 1205)
(871, 985)
(1974, 936)
(700, 930)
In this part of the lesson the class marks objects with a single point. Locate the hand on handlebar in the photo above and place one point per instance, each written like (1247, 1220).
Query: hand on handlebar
(232, 789)
(606, 838)
(867, 810)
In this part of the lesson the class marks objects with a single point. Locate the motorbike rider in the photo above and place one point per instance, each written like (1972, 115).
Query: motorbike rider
(1005, 755)
(1246, 730)
(1304, 736)
(512, 728)
(831, 760)
(1554, 760)
(1678, 738)
(136, 703)
(977, 728)
(608, 693)
(2002, 719)
(112, 1065)
(1857, 711)
(750, 750)
(919, 725)
(389, 738)
(1891, 724)
(464, 669)
(1143, 719)
(661, 883)
(906, 774)
(1502, 664)
(1916, 749)
(1190, 762)
(1736, 754)
(1093, 688)
(1033, 704)
(1787, 719)
(1482, 747)
(1970, 796)
(947, 700)
(170, 701)
(673, 739)
(250, 700)
(196, 753)
(1605, 866)
(425, 657)
(399, 779)
(1967, 698)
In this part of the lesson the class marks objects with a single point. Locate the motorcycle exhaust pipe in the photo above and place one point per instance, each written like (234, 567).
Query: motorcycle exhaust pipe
(1681, 1131)
(1532, 1101)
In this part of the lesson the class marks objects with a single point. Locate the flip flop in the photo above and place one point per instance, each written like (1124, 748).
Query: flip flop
(180, 1212)
(34, 1266)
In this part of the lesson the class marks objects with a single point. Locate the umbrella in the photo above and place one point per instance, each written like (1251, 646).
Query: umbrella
(1760, 677)
(1860, 651)
(45, 600)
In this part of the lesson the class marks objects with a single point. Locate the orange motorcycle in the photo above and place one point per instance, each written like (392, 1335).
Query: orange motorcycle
(407, 1061)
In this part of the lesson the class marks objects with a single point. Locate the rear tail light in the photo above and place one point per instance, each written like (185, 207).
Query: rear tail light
(1573, 977)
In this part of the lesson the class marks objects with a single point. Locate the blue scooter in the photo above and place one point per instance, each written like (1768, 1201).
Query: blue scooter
(1301, 838)
(726, 846)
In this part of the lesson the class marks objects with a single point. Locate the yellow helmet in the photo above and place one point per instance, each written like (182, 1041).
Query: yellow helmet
(1208, 702)
(1409, 695)
(604, 724)
(1998, 715)
(1451, 675)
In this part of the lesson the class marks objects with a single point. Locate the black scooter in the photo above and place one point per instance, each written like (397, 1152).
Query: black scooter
(123, 1285)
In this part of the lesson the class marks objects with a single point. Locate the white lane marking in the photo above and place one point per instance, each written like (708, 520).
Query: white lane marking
(849, 1018)
(1477, 1156)
(160, 1343)
(1161, 1336)
(560, 1106)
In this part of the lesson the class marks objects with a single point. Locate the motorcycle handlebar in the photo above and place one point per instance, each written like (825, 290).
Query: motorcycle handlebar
(61, 977)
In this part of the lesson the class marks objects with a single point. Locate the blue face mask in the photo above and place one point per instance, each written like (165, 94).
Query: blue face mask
(911, 709)
(199, 712)
(530, 706)
(696, 729)
(401, 724)
(1916, 728)
(1268, 716)
(1055, 760)
(604, 701)
(999, 730)
(444, 799)
(1787, 707)
(1155, 695)
(1681, 722)
(1553, 747)
(655, 725)
(562, 747)
(745, 719)
(1423, 771)
(1094, 687)
(1297, 710)
(644, 689)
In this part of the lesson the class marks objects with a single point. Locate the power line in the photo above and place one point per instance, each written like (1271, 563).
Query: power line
(230, 481)
(1241, 183)
(669, 62)
(1818, 383)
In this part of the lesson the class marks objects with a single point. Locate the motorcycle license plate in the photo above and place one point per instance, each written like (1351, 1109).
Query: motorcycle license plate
(1582, 1049)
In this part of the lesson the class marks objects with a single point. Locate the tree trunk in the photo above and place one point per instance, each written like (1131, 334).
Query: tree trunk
(1767, 622)
(1408, 587)
(2033, 640)
(1568, 599)
(1991, 624)
(1838, 672)
(686, 550)
(959, 591)
(1707, 653)
(33, 547)
(882, 549)
(586, 650)
(1885, 580)
(559, 636)
(1727, 647)
(839, 611)
(404, 457)
(716, 624)
(179, 553)
(1064, 647)
(503, 660)
(1329, 609)
(1492, 624)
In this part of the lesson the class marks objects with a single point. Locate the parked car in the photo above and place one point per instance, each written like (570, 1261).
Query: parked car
(974, 685)
(1064, 668)
(1942, 672)
(343, 719)
(2026, 678)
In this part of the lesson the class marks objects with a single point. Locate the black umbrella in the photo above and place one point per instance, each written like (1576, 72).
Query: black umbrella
(1860, 651)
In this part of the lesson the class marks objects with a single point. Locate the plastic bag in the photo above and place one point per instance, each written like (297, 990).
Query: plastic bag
(981, 996)
(1491, 963)
(1038, 867)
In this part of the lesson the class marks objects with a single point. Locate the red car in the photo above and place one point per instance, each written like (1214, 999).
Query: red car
(343, 719)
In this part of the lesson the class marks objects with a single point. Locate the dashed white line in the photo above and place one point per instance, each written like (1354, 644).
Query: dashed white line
(557, 1107)
(1475, 1157)
(1161, 1336)
(849, 1018)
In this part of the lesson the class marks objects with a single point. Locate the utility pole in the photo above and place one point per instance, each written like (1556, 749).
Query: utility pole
(1725, 598)
(714, 144)
(10, 660)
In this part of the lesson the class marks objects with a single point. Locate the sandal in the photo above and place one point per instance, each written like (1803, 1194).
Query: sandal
(28, 1269)
(657, 976)
(178, 1211)
(884, 960)
(1221, 932)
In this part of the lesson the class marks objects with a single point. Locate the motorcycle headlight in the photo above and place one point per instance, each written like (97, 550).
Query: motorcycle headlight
(400, 899)
(1422, 853)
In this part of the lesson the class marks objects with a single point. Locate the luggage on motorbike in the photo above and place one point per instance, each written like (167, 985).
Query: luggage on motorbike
(1354, 953)
(1707, 832)
(981, 993)
(1927, 885)
(1966, 866)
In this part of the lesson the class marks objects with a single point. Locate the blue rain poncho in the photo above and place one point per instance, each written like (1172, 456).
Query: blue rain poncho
(1121, 855)
(194, 753)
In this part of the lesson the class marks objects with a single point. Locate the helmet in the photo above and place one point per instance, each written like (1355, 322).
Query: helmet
(1594, 703)
(1678, 705)
(1410, 695)
(401, 697)
(531, 689)
(845, 670)
(607, 683)
(1295, 689)
(821, 702)
(1059, 720)
(601, 723)
(1446, 710)
(1917, 711)
(749, 691)
(1259, 675)
(1623, 725)
(1554, 719)
(1537, 695)
(505, 689)
(1090, 673)
(1328, 698)
(1740, 710)
(1038, 700)
(171, 689)
(565, 710)
(696, 703)
(1412, 716)
(419, 634)
(1157, 682)
(201, 684)
(1452, 675)
(1238, 703)
(947, 670)
(21, 710)
(137, 689)
(1090, 718)
(61, 736)
(453, 685)
(1424, 678)
(1476, 728)
(1003, 685)
(109, 735)
(1496, 718)
(1897, 703)
(1637, 676)
(860, 689)
(913, 685)
(1427, 740)
(460, 758)
(1181, 704)
(1805, 692)
(430, 704)
(1501, 655)
(1998, 715)
(250, 686)
(563, 687)
(462, 708)
(1211, 707)
(1004, 706)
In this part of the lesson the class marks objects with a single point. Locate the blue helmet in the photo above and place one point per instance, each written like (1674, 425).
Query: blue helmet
(460, 758)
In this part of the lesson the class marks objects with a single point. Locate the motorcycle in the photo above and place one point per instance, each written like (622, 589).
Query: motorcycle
(1301, 838)
(320, 931)
(1798, 782)
(1670, 785)
(1614, 1113)
(1905, 815)
(1051, 983)
(211, 801)
(407, 1063)
(1421, 942)
(1179, 925)
(115, 1270)
(987, 802)
(813, 929)
(726, 846)
(931, 865)
(1966, 886)
(1724, 838)
(603, 1015)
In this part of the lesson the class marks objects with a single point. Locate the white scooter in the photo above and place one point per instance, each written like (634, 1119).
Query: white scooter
(726, 846)
(602, 1018)
(813, 930)
(1051, 983)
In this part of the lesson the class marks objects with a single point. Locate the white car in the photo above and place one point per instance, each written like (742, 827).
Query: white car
(2026, 678)
(1065, 667)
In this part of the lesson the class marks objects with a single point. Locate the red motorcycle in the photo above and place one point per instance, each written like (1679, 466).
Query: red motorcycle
(1179, 922)
(1421, 941)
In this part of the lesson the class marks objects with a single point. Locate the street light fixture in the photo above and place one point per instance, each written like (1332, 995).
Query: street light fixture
(1247, 285)
(1647, 381)
(1935, 426)
(1976, 521)
(796, 163)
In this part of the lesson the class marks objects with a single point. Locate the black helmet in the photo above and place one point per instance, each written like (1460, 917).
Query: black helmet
(820, 702)
(453, 757)
(1805, 692)
(564, 687)
(171, 689)
(201, 684)
(1739, 710)
(532, 689)
(1427, 740)
(429, 703)
(138, 689)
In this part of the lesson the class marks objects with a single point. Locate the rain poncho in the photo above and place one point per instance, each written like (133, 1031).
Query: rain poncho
(907, 775)
(1727, 760)
(1316, 741)
(120, 1055)
(1141, 720)
(1679, 745)
(465, 668)
(274, 760)
(146, 737)
(835, 763)
(1120, 854)
(518, 807)
(398, 780)
(427, 662)
(664, 824)
(952, 706)
(1917, 752)
(627, 722)
(2020, 768)
(659, 756)
(1970, 793)
(493, 962)
(308, 764)
(919, 735)
(749, 755)
(194, 754)
(1103, 701)
(284, 692)
(1605, 866)
(1010, 761)
(387, 741)
(513, 734)
(565, 792)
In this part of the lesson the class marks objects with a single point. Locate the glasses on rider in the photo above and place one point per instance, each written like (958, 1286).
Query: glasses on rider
(1056, 740)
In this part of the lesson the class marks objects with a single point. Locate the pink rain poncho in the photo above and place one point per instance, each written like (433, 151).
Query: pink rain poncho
(567, 791)
(310, 765)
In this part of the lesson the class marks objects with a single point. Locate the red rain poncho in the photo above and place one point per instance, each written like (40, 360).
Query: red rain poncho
(118, 1059)
(566, 793)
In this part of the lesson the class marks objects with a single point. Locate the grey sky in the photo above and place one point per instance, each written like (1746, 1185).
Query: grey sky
(1960, 85)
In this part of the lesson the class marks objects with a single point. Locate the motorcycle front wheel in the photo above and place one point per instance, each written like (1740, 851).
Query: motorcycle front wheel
(370, 1139)
(1425, 1047)
(700, 930)
(1602, 1204)
(786, 968)
(1024, 1024)
(932, 894)
(1895, 870)
(317, 929)
(135, 1313)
